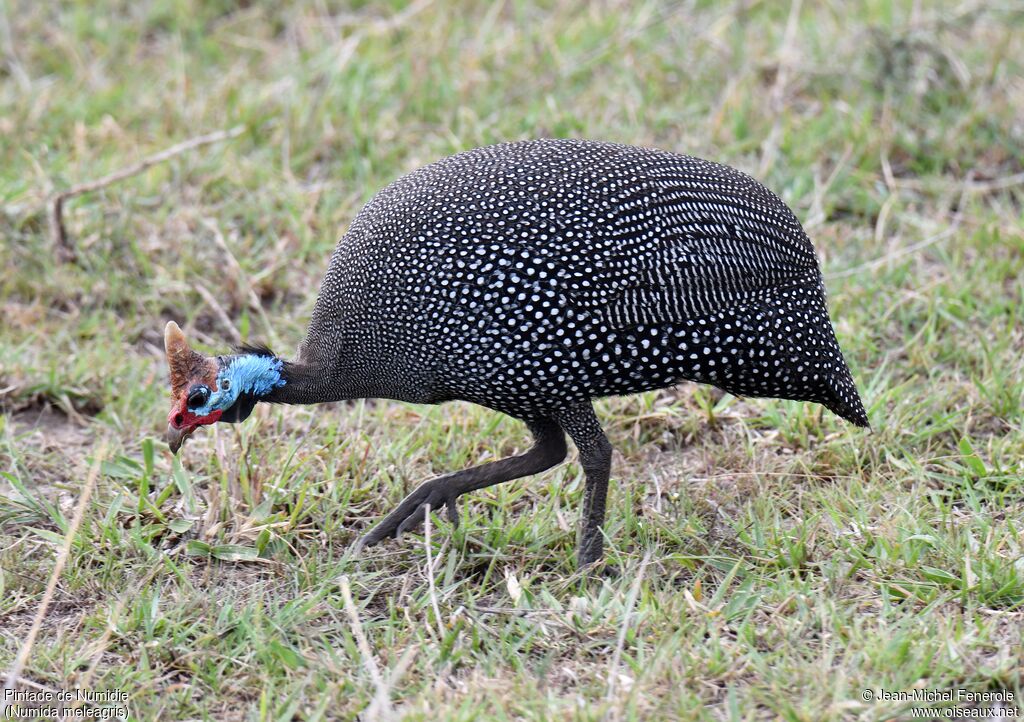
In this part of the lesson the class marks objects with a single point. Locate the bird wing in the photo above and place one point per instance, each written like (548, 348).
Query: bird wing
(679, 248)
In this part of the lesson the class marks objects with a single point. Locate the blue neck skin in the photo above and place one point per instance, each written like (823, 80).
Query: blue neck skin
(252, 374)
(257, 375)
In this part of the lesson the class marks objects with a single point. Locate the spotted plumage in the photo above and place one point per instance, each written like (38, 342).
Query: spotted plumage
(532, 277)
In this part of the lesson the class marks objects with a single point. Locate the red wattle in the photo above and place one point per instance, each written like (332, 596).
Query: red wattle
(181, 418)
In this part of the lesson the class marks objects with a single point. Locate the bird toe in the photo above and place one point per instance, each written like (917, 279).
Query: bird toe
(411, 521)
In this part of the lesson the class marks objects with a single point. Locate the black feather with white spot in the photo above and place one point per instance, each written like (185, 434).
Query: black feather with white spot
(530, 276)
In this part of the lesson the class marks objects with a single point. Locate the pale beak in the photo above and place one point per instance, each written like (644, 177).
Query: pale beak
(176, 437)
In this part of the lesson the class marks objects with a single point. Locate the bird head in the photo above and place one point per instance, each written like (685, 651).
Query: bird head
(205, 389)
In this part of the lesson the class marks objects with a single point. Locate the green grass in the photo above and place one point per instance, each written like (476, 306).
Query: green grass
(791, 560)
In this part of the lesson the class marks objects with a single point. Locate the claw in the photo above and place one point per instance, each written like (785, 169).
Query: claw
(398, 522)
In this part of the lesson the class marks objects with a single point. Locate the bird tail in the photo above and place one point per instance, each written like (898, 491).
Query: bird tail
(842, 398)
(814, 363)
(838, 390)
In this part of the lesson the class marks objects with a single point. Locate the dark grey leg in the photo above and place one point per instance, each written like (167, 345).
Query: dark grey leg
(581, 424)
(548, 449)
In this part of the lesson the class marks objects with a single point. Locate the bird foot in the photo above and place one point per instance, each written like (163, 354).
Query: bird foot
(410, 513)
(591, 547)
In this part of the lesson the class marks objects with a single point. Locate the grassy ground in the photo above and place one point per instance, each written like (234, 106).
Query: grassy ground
(766, 560)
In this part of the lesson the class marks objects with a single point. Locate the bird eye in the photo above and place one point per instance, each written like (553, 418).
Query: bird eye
(198, 397)
(225, 384)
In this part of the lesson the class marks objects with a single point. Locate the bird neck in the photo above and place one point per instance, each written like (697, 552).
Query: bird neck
(303, 384)
(256, 374)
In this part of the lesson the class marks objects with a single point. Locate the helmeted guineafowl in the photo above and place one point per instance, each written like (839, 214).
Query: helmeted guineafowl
(532, 277)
